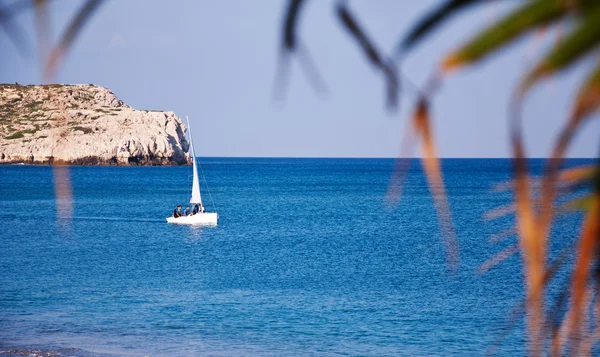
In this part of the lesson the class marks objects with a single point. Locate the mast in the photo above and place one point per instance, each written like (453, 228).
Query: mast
(196, 198)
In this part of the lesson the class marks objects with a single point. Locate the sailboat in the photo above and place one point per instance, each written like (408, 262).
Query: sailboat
(200, 218)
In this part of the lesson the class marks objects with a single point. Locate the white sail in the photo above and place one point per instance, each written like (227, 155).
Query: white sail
(201, 218)
(196, 198)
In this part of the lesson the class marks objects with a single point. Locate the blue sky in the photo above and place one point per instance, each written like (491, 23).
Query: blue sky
(215, 61)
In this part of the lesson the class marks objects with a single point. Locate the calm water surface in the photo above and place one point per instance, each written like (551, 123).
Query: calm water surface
(307, 260)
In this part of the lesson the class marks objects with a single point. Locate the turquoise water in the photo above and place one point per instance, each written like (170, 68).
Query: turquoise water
(307, 260)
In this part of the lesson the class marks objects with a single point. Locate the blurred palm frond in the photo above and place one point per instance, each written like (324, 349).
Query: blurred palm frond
(291, 44)
(534, 199)
(56, 55)
(385, 65)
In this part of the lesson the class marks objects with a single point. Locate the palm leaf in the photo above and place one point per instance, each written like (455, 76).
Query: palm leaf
(570, 176)
(587, 100)
(578, 174)
(499, 258)
(499, 212)
(433, 20)
(64, 194)
(579, 204)
(290, 24)
(291, 43)
(532, 15)
(386, 66)
(14, 32)
(502, 235)
(402, 165)
(433, 172)
(519, 309)
(42, 24)
(586, 248)
(569, 49)
(77, 23)
(532, 246)
(558, 320)
(62, 177)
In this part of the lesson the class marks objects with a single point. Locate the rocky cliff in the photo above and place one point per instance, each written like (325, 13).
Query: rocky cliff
(85, 125)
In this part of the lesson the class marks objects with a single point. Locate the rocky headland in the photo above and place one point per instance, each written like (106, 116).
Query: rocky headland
(84, 124)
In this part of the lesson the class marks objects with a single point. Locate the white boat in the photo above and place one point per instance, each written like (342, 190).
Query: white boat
(201, 218)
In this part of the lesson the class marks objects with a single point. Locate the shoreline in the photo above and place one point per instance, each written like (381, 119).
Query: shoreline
(97, 161)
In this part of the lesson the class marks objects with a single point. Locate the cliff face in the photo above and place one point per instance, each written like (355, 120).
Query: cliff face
(85, 125)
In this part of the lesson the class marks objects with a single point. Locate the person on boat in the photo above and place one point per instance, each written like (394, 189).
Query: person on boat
(187, 211)
(177, 212)
(201, 208)
(196, 209)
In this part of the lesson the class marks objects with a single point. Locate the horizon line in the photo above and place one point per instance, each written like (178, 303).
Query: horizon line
(386, 157)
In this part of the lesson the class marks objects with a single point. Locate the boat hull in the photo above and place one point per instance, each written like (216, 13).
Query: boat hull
(200, 219)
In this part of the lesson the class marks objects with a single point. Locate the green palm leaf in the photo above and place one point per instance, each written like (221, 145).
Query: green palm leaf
(578, 204)
(433, 20)
(528, 17)
(571, 48)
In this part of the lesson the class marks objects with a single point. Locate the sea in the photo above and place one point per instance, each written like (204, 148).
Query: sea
(310, 258)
